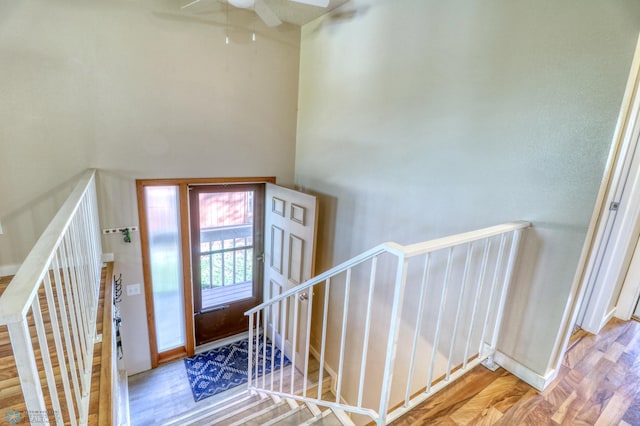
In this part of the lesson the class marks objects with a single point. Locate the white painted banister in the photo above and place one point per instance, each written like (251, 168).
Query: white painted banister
(457, 288)
(57, 287)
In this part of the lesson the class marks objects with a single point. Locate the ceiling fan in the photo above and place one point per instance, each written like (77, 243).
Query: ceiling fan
(261, 8)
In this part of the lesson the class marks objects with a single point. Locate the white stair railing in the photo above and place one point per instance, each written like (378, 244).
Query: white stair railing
(56, 292)
(441, 301)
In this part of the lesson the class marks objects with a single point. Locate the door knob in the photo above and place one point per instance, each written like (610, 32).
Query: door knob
(303, 296)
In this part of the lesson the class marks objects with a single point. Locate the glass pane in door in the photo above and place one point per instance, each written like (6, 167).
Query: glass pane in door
(163, 221)
(226, 247)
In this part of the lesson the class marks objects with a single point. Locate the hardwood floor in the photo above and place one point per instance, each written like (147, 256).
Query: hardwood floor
(598, 384)
(11, 398)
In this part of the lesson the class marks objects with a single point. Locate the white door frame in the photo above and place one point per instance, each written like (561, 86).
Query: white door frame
(630, 288)
(599, 296)
(610, 258)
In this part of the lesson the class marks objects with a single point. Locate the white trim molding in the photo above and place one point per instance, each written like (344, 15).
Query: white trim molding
(631, 288)
(525, 373)
(334, 376)
(596, 229)
(8, 270)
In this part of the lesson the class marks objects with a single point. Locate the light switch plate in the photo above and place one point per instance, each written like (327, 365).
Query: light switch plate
(133, 289)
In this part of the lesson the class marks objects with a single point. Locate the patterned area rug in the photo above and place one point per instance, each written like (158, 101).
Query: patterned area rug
(225, 367)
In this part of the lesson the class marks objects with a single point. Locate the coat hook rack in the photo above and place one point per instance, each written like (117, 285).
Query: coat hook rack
(124, 231)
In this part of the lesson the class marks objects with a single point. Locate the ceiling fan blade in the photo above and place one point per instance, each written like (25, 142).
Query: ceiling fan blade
(266, 14)
(318, 3)
(190, 4)
(242, 4)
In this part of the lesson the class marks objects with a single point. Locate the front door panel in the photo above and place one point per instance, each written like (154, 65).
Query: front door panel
(290, 229)
(226, 240)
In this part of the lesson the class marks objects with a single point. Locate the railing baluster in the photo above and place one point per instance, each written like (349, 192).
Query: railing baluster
(367, 329)
(294, 340)
(392, 341)
(418, 326)
(343, 335)
(273, 339)
(283, 334)
(85, 252)
(443, 300)
(323, 344)
(224, 271)
(82, 297)
(24, 357)
(493, 288)
(476, 300)
(55, 326)
(515, 242)
(67, 333)
(80, 310)
(245, 261)
(307, 342)
(257, 346)
(454, 334)
(45, 357)
(264, 347)
(210, 269)
(94, 252)
(71, 304)
(250, 360)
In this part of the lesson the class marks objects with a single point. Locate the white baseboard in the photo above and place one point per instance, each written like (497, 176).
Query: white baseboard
(333, 374)
(7, 270)
(123, 418)
(525, 373)
(608, 317)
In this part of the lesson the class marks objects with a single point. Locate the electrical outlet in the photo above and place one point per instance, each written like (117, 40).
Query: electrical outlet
(133, 289)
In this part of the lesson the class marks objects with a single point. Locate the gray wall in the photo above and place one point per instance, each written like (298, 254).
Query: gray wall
(421, 118)
(137, 91)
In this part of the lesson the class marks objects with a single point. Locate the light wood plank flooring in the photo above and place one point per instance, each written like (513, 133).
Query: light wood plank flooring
(598, 384)
(162, 394)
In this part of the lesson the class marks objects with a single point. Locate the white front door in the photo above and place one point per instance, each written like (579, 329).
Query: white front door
(289, 246)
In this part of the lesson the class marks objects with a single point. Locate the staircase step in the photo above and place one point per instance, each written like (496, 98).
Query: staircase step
(226, 408)
(260, 417)
(260, 408)
(293, 416)
(330, 417)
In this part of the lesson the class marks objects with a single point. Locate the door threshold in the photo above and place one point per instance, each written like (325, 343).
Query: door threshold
(222, 342)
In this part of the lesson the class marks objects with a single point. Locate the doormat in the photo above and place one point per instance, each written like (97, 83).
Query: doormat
(225, 367)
